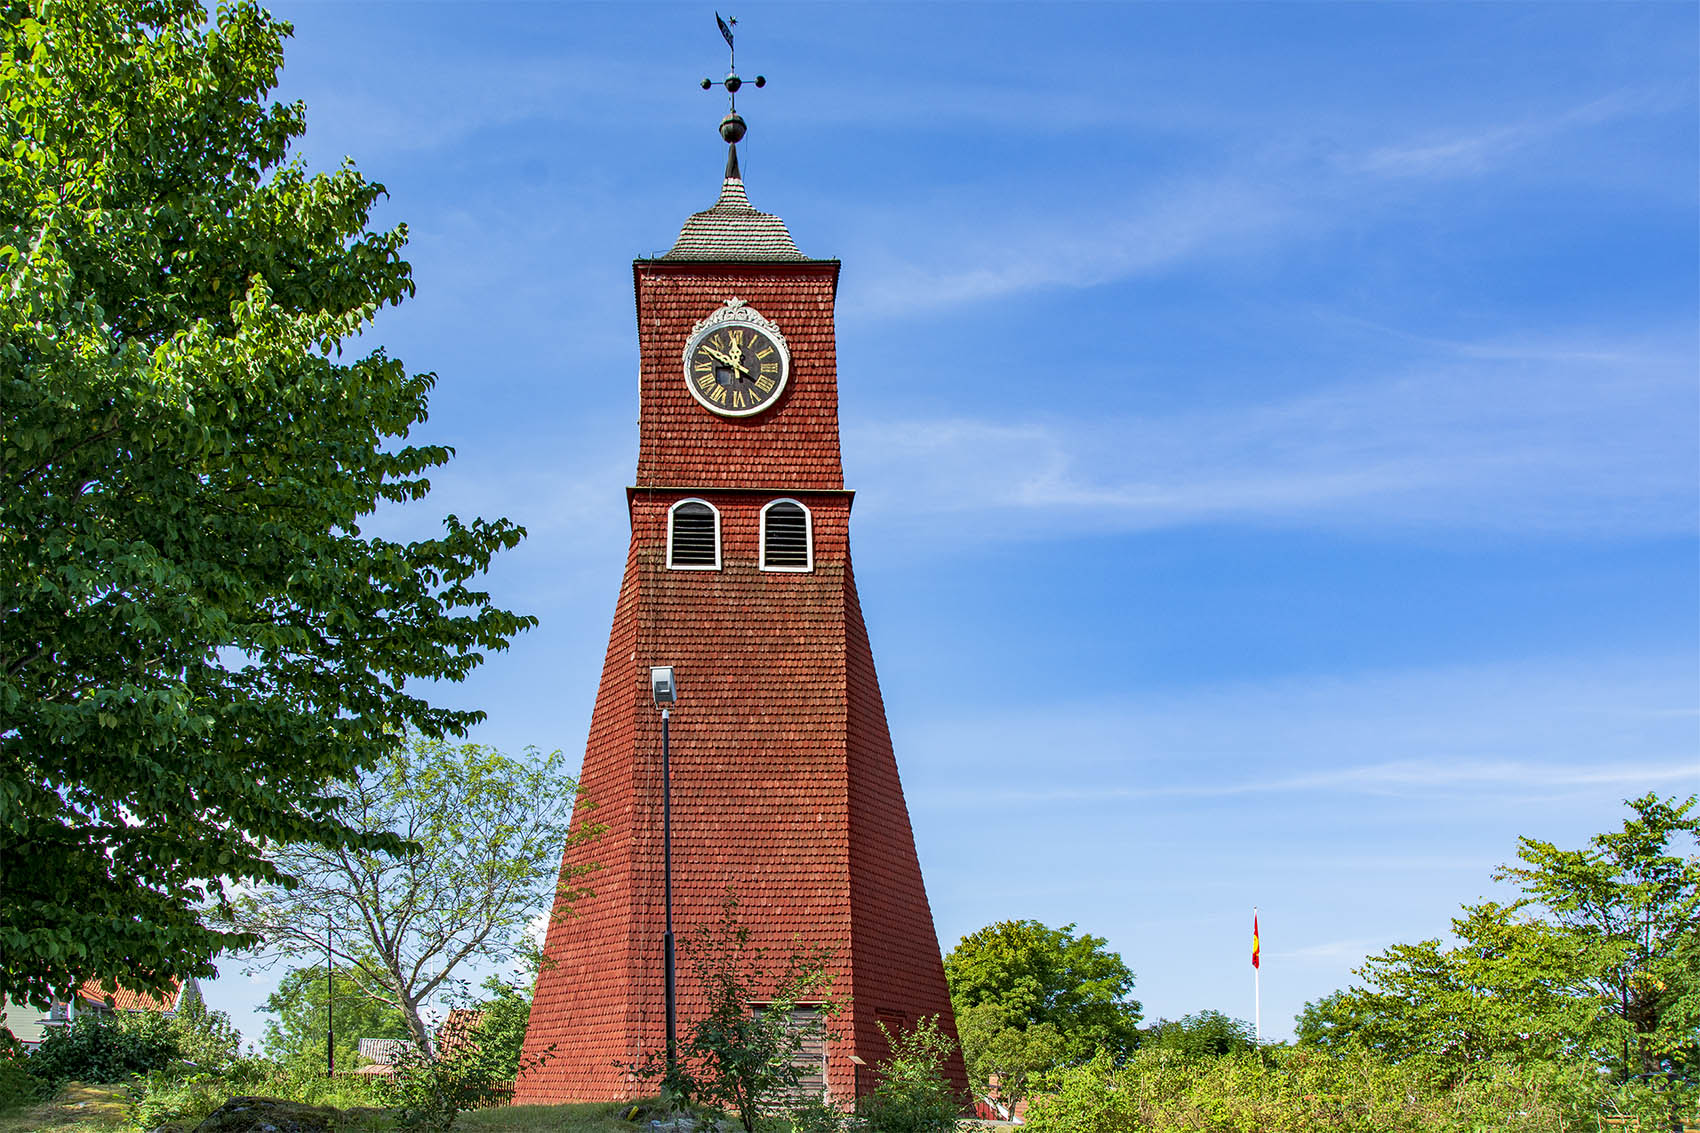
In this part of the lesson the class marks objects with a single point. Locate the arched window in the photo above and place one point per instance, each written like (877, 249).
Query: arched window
(693, 536)
(787, 537)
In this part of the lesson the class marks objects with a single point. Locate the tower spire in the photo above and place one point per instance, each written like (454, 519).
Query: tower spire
(732, 127)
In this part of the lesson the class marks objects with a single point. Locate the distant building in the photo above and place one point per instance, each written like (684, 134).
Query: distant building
(457, 1031)
(378, 1057)
(29, 1025)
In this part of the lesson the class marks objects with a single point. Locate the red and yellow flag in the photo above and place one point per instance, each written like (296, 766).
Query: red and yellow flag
(1256, 949)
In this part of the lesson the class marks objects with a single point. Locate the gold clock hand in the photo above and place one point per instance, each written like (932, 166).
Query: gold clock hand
(736, 361)
(730, 361)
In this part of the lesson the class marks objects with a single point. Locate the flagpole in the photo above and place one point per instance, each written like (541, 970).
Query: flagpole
(1257, 982)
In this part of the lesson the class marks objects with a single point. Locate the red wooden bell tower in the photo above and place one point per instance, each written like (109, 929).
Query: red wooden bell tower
(784, 784)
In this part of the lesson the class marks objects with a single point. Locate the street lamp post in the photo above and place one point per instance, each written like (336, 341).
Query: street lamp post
(330, 1006)
(666, 692)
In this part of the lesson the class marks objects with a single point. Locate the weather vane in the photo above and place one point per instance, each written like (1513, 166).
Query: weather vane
(732, 126)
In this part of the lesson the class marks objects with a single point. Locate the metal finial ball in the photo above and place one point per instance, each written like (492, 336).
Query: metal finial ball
(706, 83)
(733, 82)
(732, 128)
(761, 81)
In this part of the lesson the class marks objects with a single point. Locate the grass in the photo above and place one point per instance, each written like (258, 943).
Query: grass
(76, 1109)
(100, 1109)
(592, 1117)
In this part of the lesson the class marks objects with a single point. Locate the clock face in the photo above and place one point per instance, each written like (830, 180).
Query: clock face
(736, 368)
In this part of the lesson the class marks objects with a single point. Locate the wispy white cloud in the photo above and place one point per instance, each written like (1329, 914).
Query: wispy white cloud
(1057, 235)
(1468, 153)
(980, 256)
(1582, 726)
(1399, 778)
(1350, 950)
(1575, 439)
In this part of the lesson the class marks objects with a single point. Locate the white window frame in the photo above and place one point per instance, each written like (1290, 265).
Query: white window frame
(808, 537)
(671, 565)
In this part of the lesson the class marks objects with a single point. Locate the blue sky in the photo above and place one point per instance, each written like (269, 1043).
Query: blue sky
(1276, 428)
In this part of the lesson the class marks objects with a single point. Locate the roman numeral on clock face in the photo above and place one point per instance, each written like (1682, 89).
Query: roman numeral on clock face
(735, 369)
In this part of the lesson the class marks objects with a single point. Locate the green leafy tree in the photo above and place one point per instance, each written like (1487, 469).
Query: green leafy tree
(1334, 1023)
(198, 643)
(304, 1007)
(1596, 960)
(1005, 1059)
(488, 830)
(1204, 1034)
(1076, 991)
(1628, 912)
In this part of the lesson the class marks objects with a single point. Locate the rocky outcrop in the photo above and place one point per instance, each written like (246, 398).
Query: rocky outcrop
(270, 1115)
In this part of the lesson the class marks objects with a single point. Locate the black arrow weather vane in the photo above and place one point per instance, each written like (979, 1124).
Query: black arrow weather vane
(732, 127)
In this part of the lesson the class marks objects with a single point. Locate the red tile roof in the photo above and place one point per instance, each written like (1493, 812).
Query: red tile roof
(123, 999)
(457, 1029)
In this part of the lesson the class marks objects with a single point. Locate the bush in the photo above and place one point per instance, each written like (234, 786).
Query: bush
(734, 1059)
(168, 1096)
(816, 1115)
(913, 1094)
(1355, 1092)
(18, 1087)
(104, 1048)
(429, 1096)
(206, 1040)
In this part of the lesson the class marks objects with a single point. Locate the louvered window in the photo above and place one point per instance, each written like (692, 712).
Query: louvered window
(693, 536)
(787, 542)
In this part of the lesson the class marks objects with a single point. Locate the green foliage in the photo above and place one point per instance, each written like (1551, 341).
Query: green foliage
(296, 1038)
(18, 1087)
(206, 1040)
(997, 1051)
(1627, 912)
(1205, 1034)
(196, 1046)
(183, 1095)
(1029, 998)
(488, 830)
(812, 1115)
(429, 1095)
(732, 1058)
(1298, 1091)
(104, 1048)
(1335, 1023)
(197, 641)
(912, 1094)
(1597, 960)
(499, 1038)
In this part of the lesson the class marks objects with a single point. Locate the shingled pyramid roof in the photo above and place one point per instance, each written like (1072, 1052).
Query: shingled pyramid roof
(734, 230)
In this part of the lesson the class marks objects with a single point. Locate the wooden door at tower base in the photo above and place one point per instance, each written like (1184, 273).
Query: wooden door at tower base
(807, 1023)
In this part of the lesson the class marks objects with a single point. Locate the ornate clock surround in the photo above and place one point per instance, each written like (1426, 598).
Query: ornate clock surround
(709, 373)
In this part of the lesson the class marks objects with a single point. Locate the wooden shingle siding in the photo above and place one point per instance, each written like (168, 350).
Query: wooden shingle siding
(785, 786)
